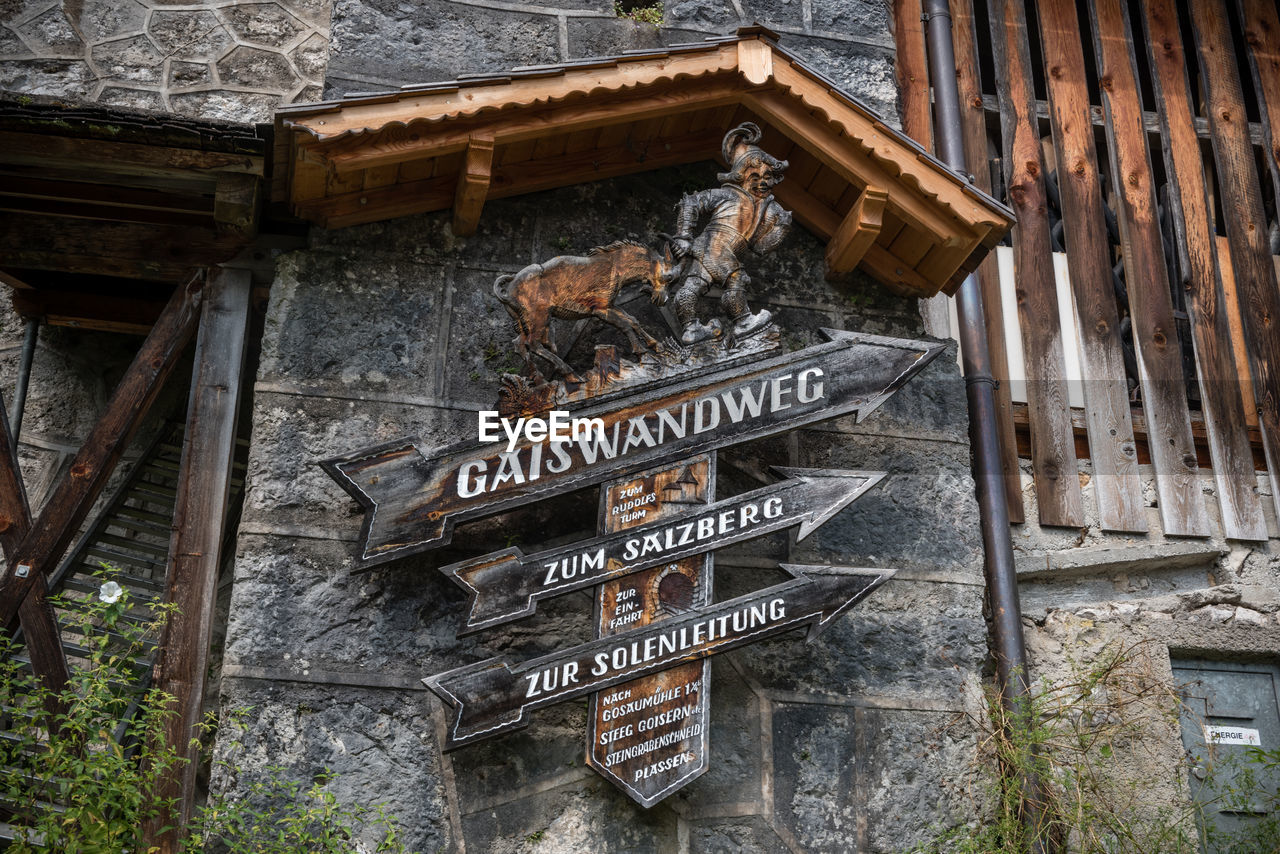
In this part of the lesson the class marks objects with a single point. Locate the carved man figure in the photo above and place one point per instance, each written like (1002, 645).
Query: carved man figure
(742, 214)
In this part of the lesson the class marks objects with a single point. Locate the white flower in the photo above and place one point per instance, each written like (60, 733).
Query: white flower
(110, 592)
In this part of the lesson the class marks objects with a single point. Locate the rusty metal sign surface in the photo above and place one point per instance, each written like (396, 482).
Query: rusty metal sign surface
(493, 697)
(412, 499)
(507, 584)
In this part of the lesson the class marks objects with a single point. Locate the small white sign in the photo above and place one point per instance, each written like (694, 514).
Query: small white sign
(1232, 735)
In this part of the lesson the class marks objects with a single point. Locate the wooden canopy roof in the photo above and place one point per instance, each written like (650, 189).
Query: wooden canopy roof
(876, 197)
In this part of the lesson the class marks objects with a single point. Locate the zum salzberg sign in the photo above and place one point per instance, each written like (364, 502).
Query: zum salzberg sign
(658, 422)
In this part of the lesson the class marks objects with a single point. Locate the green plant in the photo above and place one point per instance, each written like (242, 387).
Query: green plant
(651, 14)
(86, 779)
(91, 784)
(1063, 772)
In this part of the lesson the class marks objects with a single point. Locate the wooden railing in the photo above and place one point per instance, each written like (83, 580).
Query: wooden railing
(1136, 308)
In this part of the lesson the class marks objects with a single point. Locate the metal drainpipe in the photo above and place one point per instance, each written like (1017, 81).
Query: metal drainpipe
(24, 376)
(1002, 582)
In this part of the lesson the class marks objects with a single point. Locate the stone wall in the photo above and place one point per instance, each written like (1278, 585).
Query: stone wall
(857, 742)
(215, 59)
(380, 44)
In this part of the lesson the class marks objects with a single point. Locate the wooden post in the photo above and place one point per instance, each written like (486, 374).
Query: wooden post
(199, 517)
(74, 495)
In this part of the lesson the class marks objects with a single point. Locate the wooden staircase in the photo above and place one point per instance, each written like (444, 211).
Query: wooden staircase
(130, 535)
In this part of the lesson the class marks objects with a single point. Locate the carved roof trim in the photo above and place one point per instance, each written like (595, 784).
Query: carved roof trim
(352, 160)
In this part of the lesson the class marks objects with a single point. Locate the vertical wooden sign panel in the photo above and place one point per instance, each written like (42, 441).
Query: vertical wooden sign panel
(1111, 445)
(1173, 452)
(1220, 389)
(650, 736)
(1053, 454)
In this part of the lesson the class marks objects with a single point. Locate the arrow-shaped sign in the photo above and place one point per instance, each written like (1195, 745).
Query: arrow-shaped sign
(413, 500)
(492, 697)
(508, 584)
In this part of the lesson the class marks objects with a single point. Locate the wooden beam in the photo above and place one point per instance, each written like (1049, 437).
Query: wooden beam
(235, 204)
(452, 103)
(1155, 334)
(204, 481)
(974, 126)
(39, 627)
(120, 157)
(74, 495)
(857, 231)
(1117, 487)
(473, 185)
(755, 61)
(848, 159)
(912, 72)
(128, 250)
(88, 310)
(1053, 457)
(528, 176)
(1241, 195)
(1203, 279)
(397, 143)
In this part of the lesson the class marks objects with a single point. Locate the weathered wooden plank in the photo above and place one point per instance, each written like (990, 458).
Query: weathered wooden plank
(1262, 33)
(473, 186)
(974, 126)
(198, 528)
(149, 252)
(857, 231)
(1053, 457)
(74, 495)
(1164, 397)
(912, 72)
(1115, 459)
(1220, 391)
(1255, 274)
(124, 157)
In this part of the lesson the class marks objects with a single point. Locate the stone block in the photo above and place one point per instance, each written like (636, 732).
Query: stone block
(396, 43)
(376, 332)
(133, 60)
(816, 766)
(750, 834)
(612, 36)
(864, 19)
(109, 19)
(14, 12)
(315, 12)
(12, 47)
(188, 35)
(379, 743)
(864, 71)
(259, 69)
(184, 74)
(311, 58)
(920, 769)
(706, 15)
(265, 24)
(771, 13)
(230, 106)
(52, 35)
(136, 99)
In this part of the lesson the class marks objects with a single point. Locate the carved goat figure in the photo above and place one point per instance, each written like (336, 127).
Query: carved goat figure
(572, 287)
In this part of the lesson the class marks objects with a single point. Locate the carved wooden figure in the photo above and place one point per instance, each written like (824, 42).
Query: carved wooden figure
(573, 287)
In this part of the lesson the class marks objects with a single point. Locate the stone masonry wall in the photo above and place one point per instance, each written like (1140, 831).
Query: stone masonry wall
(381, 44)
(857, 742)
(214, 59)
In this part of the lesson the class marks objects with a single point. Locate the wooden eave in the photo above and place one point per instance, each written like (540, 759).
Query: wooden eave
(876, 197)
(103, 211)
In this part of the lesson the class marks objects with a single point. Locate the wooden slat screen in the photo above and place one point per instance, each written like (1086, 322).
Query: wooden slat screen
(1124, 133)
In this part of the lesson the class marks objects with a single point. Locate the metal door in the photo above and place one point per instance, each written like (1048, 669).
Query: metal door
(1230, 707)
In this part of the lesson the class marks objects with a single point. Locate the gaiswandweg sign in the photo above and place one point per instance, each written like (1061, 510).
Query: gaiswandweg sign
(412, 500)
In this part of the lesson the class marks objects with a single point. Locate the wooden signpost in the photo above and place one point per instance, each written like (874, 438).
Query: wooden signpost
(655, 425)
(412, 499)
